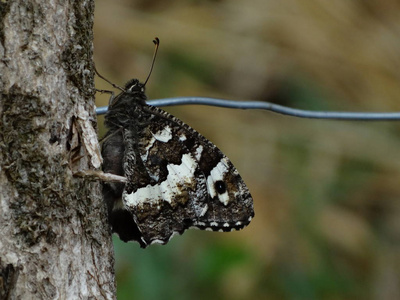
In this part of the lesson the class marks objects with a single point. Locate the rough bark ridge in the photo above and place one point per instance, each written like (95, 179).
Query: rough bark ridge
(54, 237)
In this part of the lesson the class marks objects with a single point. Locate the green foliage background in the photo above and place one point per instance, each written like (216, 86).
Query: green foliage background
(327, 193)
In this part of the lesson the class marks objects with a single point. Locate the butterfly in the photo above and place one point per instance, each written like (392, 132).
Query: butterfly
(175, 178)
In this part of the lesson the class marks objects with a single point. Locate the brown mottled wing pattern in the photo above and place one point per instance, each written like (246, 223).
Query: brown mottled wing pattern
(176, 178)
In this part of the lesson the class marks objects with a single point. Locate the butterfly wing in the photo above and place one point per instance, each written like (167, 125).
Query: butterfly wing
(178, 179)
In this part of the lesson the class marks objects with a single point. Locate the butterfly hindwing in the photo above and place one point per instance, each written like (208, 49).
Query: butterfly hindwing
(176, 178)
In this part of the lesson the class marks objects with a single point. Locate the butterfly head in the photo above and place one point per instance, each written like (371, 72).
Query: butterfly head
(133, 86)
(133, 90)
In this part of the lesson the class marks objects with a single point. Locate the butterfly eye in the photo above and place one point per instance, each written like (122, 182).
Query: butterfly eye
(220, 187)
(131, 88)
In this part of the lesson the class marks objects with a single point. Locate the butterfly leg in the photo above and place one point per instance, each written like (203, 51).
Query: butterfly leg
(100, 175)
(107, 92)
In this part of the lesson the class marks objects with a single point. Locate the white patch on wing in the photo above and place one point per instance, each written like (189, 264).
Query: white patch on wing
(199, 150)
(187, 165)
(146, 150)
(157, 241)
(178, 176)
(217, 174)
(211, 187)
(203, 210)
(155, 177)
(182, 137)
(164, 135)
(165, 188)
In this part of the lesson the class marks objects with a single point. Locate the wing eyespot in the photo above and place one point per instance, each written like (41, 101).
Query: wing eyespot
(220, 187)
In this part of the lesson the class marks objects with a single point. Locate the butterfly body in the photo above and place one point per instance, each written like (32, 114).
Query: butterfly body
(176, 178)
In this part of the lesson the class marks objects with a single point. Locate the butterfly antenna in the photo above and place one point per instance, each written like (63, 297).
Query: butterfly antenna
(102, 77)
(156, 42)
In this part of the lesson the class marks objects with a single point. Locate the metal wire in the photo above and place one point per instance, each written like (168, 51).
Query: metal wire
(300, 113)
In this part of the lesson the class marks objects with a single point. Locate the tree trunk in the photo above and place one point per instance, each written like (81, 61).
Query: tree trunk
(55, 241)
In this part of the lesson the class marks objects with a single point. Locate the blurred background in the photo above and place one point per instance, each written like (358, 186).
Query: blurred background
(327, 193)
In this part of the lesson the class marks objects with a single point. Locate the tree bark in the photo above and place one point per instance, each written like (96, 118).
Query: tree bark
(55, 241)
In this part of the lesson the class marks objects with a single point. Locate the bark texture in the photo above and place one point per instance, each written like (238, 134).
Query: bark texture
(55, 241)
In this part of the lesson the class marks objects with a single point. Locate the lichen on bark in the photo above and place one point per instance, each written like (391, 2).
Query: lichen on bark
(55, 241)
